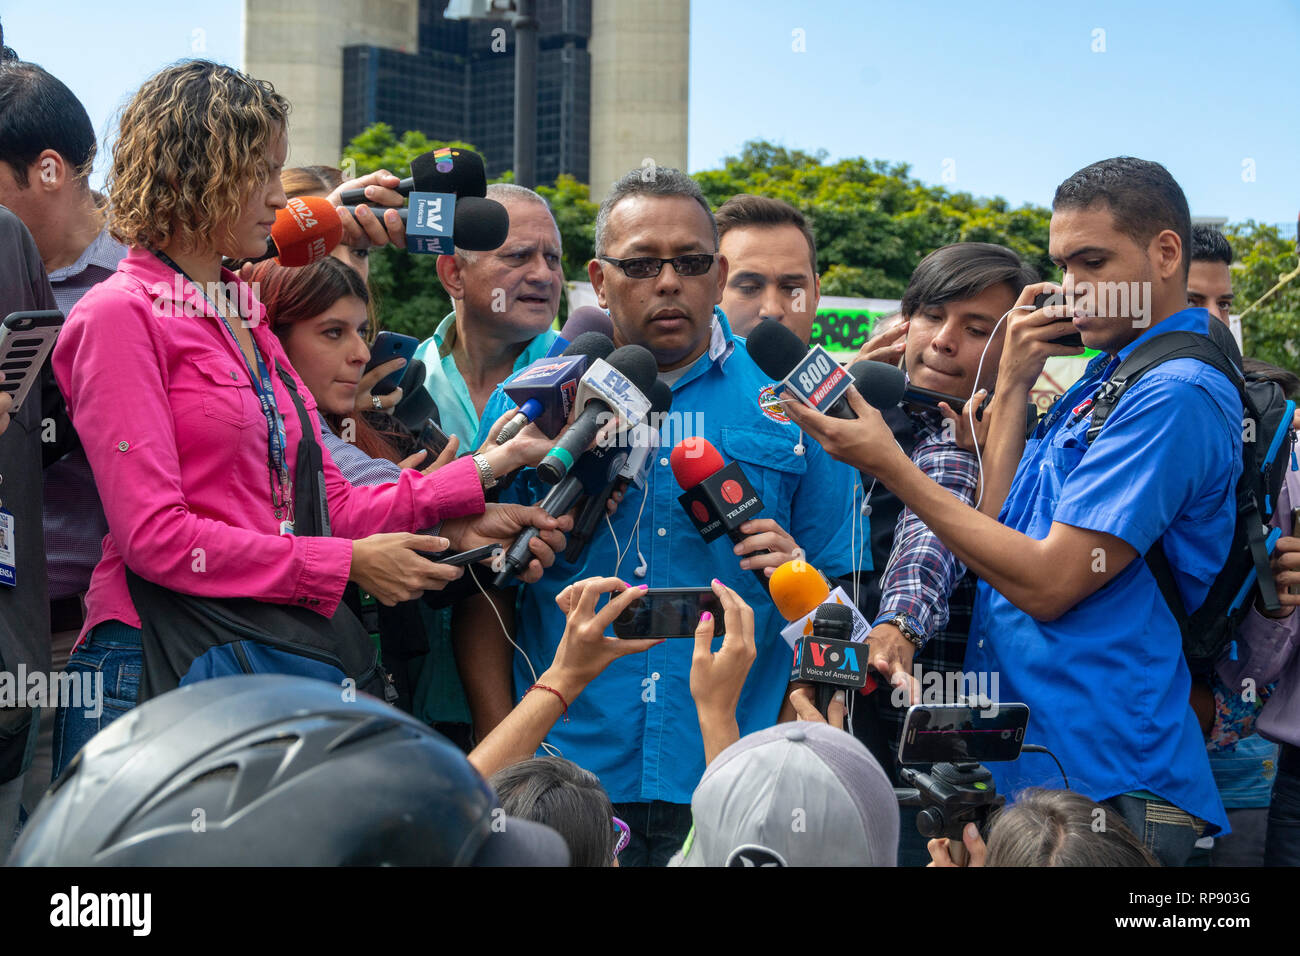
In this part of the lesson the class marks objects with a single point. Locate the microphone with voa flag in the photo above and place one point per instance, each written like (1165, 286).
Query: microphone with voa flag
(611, 390)
(716, 496)
(798, 590)
(640, 441)
(582, 321)
(828, 658)
(548, 388)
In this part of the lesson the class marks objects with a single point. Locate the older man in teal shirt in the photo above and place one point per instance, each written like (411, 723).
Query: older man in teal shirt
(505, 302)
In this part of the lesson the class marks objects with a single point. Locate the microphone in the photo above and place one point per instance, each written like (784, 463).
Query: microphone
(590, 472)
(717, 497)
(811, 374)
(884, 386)
(443, 170)
(828, 658)
(641, 440)
(545, 391)
(305, 231)
(616, 388)
(439, 224)
(645, 437)
(585, 318)
(797, 589)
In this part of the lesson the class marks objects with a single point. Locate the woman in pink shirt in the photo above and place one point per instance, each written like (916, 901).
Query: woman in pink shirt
(172, 380)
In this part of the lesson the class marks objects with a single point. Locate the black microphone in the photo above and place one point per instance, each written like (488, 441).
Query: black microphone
(597, 505)
(480, 225)
(806, 372)
(615, 387)
(589, 470)
(443, 170)
(559, 499)
(546, 389)
(828, 658)
(884, 386)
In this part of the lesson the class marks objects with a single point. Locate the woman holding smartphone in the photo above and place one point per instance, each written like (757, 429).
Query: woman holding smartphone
(173, 381)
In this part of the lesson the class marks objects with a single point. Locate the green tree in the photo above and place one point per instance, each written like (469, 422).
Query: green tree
(1270, 332)
(873, 221)
(408, 294)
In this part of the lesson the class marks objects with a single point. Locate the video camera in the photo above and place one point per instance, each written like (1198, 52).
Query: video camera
(958, 789)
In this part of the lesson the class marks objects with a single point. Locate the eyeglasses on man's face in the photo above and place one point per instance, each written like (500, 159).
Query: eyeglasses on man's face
(647, 267)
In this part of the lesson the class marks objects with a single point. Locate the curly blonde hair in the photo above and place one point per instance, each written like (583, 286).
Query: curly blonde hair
(192, 142)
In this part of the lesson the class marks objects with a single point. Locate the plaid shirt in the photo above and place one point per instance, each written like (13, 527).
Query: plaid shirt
(923, 578)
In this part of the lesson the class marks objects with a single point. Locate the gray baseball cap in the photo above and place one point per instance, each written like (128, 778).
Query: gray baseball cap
(797, 794)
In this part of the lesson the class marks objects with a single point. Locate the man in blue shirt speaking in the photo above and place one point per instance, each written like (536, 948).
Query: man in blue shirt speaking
(1068, 615)
(658, 271)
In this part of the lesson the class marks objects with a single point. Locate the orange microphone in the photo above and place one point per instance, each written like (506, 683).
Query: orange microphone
(305, 231)
(797, 589)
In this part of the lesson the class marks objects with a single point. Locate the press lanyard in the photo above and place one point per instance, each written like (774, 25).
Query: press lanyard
(276, 439)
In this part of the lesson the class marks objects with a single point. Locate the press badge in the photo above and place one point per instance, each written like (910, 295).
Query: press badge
(286, 527)
(8, 565)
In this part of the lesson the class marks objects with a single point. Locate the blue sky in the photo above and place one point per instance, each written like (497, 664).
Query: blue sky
(1002, 98)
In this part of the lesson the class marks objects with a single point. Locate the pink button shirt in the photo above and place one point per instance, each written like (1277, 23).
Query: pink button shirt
(162, 400)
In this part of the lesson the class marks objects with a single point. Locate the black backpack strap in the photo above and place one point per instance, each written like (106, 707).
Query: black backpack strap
(1255, 536)
(1164, 575)
(1161, 349)
(311, 515)
(1217, 349)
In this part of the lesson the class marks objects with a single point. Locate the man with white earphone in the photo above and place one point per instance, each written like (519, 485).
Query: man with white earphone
(659, 273)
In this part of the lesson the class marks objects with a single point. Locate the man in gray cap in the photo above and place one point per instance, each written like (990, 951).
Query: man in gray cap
(797, 794)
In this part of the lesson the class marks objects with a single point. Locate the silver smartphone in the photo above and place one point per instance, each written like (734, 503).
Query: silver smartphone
(26, 339)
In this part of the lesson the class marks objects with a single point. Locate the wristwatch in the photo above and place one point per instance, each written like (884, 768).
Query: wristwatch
(910, 628)
(485, 472)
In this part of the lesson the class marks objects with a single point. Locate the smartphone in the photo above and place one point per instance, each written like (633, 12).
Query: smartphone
(388, 346)
(955, 732)
(433, 438)
(669, 612)
(26, 339)
(464, 557)
(1071, 338)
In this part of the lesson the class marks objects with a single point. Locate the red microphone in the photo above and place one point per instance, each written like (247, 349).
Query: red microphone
(717, 497)
(305, 231)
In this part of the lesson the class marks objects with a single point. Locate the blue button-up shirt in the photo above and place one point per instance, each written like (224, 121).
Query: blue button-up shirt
(1106, 683)
(442, 379)
(635, 725)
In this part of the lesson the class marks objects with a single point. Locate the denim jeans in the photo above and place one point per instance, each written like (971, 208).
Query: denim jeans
(1282, 844)
(1168, 833)
(658, 831)
(113, 649)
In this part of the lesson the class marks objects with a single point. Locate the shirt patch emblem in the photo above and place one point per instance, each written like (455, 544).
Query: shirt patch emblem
(771, 406)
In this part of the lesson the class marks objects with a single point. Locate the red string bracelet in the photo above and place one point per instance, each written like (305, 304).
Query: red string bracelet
(563, 702)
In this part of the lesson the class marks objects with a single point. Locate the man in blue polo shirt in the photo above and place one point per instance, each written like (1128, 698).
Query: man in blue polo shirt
(635, 726)
(1068, 615)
